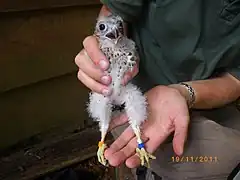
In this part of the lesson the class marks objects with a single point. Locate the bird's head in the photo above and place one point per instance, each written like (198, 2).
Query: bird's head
(109, 27)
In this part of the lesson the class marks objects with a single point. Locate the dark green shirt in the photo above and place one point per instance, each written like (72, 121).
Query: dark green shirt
(182, 40)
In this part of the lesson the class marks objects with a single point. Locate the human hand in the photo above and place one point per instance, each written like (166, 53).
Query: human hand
(93, 64)
(168, 112)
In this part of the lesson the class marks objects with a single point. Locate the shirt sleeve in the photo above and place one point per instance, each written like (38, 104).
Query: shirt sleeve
(234, 57)
(235, 72)
(129, 10)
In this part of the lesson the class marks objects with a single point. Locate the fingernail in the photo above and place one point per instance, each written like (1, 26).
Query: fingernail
(106, 92)
(105, 80)
(103, 64)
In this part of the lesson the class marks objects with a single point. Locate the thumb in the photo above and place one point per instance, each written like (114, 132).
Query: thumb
(130, 75)
(180, 134)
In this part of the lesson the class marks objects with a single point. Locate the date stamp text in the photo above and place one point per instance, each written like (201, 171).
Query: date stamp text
(195, 159)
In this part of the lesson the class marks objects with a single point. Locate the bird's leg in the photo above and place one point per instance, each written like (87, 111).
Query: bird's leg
(141, 151)
(101, 148)
(100, 109)
(104, 125)
(136, 110)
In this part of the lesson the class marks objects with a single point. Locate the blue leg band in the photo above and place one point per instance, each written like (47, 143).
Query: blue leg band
(141, 145)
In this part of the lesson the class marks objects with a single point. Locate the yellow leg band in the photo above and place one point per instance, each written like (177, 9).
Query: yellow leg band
(100, 143)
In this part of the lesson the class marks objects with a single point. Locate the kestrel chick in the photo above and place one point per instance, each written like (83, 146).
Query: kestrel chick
(122, 55)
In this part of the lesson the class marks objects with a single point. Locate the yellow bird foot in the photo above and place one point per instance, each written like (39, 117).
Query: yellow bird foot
(144, 155)
(100, 153)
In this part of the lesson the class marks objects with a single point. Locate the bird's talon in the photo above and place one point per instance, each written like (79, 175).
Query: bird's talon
(144, 156)
(100, 153)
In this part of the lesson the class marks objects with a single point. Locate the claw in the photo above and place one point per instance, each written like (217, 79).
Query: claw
(144, 156)
(100, 154)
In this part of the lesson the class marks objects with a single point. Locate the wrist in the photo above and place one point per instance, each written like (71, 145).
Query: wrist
(187, 92)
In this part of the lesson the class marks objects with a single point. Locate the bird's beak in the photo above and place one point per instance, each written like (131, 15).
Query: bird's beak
(114, 35)
(111, 35)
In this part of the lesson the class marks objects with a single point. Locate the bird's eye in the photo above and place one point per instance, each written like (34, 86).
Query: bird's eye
(102, 27)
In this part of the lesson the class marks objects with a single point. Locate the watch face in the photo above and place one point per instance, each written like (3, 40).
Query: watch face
(235, 174)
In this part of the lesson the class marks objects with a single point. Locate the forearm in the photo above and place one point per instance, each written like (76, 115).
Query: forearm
(213, 93)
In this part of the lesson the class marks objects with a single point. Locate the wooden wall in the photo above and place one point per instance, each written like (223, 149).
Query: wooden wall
(38, 87)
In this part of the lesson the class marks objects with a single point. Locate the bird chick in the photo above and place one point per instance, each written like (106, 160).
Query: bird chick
(122, 55)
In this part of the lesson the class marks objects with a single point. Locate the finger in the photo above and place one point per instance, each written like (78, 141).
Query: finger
(118, 121)
(135, 70)
(120, 142)
(92, 84)
(120, 156)
(133, 161)
(91, 46)
(180, 134)
(88, 67)
(151, 146)
(129, 75)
